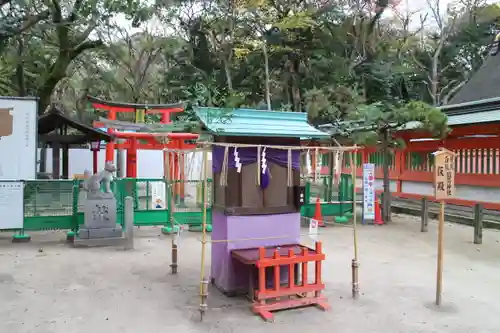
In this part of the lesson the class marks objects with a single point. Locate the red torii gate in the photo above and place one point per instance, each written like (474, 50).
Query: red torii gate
(178, 141)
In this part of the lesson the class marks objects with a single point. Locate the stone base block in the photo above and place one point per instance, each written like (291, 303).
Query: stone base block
(24, 238)
(99, 242)
(100, 233)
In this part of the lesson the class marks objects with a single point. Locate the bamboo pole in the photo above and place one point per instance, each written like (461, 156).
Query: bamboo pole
(203, 279)
(166, 176)
(170, 213)
(355, 262)
(439, 278)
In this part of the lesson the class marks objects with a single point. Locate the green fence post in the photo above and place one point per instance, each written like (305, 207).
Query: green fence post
(307, 194)
(70, 236)
(20, 236)
(329, 197)
(340, 194)
(135, 194)
(147, 195)
(325, 188)
(35, 213)
(169, 225)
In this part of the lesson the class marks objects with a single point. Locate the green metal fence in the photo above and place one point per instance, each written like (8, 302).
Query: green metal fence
(335, 197)
(58, 204)
(50, 204)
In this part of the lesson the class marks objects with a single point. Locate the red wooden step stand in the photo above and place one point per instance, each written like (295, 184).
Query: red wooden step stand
(292, 295)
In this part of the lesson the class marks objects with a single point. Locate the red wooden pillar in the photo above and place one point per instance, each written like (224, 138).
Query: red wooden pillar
(165, 117)
(132, 159)
(182, 184)
(95, 162)
(365, 156)
(172, 174)
(400, 168)
(110, 146)
(313, 161)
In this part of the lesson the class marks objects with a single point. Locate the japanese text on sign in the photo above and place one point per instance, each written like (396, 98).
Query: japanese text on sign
(444, 175)
(369, 191)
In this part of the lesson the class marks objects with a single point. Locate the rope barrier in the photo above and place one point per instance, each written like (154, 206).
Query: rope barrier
(302, 148)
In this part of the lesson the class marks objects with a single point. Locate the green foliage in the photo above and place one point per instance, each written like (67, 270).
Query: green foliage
(342, 67)
(370, 120)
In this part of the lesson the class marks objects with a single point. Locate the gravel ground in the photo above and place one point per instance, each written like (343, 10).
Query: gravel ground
(47, 286)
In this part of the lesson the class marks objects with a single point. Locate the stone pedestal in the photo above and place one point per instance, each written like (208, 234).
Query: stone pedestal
(100, 227)
(100, 219)
(103, 213)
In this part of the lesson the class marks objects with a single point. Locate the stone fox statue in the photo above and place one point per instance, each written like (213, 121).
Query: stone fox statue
(93, 183)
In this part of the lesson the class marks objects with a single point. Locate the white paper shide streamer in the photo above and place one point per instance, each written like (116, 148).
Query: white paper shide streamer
(263, 161)
(237, 160)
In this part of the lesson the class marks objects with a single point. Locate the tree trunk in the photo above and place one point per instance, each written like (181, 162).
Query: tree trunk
(386, 204)
(229, 79)
(56, 74)
(266, 65)
(21, 85)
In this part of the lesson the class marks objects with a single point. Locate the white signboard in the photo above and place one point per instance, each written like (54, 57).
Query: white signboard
(368, 192)
(11, 205)
(313, 230)
(18, 138)
(158, 195)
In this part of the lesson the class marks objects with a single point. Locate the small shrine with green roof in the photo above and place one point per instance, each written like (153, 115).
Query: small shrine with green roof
(255, 184)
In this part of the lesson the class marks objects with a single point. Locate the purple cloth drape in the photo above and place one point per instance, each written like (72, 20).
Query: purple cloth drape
(248, 155)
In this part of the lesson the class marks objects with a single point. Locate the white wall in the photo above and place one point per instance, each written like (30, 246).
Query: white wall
(465, 192)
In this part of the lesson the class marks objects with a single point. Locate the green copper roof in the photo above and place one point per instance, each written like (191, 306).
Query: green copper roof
(474, 118)
(491, 116)
(248, 122)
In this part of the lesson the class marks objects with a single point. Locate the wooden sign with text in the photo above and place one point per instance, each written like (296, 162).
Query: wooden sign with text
(444, 174)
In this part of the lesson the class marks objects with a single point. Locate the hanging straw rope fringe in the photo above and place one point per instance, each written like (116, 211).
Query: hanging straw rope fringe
(315, 166)
(194, 150)
(202, 146)
(340, 162)
(244, 145)
(258, 164)
(223, 174)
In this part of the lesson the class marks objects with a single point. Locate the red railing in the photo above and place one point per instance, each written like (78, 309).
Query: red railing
(474, 167)
(301, 290)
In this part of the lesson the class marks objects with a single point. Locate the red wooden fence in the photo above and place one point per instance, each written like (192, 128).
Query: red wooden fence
(302, 289)
(474, 167)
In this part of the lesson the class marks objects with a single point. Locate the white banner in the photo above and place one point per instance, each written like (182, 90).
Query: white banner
(18, 138)
(313, 231)
(158, 195)
(368, 192)
(11, 205)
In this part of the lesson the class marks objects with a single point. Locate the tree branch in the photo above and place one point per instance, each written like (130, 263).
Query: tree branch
(417, 62)
(85, 46)
(86, 33)
(57, 14)
(32, 20)
(76, 8)
(27, 23)
(453, 91)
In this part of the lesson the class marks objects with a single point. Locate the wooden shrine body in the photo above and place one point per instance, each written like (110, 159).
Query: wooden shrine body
(249, 216)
